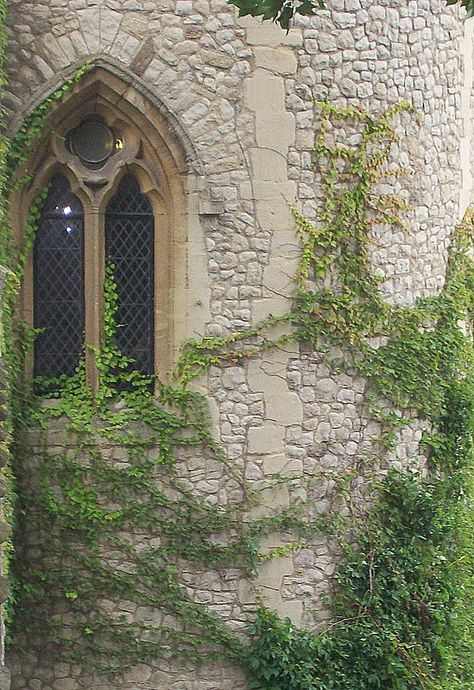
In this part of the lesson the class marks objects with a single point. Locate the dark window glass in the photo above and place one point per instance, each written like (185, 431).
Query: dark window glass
(58, 267)
(129, 245)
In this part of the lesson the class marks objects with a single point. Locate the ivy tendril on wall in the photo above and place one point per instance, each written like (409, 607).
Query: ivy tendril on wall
(113, 477)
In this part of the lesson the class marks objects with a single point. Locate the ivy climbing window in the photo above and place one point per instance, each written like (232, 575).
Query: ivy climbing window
(59, 281)
(115, 177)
(70, 252)
(129, 246)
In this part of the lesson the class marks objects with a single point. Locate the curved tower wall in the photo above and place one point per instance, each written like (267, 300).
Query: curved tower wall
(243, 92)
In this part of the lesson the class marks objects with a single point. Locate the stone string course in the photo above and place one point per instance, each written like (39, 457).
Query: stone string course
(244, 92)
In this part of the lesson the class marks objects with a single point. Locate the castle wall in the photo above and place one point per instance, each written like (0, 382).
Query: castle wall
(244, 94)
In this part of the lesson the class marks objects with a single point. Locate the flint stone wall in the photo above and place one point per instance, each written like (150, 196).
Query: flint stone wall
(5, 530)
(243, 92)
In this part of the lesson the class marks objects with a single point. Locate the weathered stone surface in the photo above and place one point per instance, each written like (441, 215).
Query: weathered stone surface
(244, 93)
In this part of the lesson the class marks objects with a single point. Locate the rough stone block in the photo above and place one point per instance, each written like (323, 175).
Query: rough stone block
(287, 609)
(268, 165)
(4, 678)
(280, 60)
(265, 439)
(273, 571)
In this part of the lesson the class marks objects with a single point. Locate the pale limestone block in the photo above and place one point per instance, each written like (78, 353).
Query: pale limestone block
(66, 45)
(267, 438)
(42, 67)
(265, 93)
(271, 501)
(261, 33)
(279, 60)
(89, 20)
(286, 409)
(285, 243)
(195, 301)
(245, 592)
(273, 571)
(52, 51)
(78, 42)
(256, 377)
(276, 360)
(278, 276)
(276, 192)
(129, 49)
(276, 131)
(109, 26)
(246, 191)
(287, 609)
(268, 165)
(140, 673)
(271, 305)
(135, 25)
(276, 217)
(274, 463)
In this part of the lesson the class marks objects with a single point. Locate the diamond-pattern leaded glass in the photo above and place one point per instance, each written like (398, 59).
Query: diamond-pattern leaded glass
(58, 266)
(129, 245)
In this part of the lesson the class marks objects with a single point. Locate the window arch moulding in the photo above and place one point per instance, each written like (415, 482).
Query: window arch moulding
(147, 149)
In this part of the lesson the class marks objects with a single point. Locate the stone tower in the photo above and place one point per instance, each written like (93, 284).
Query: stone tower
(229, 105)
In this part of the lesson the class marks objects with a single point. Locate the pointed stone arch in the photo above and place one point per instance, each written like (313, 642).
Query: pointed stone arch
(160, 154)
(107, 70)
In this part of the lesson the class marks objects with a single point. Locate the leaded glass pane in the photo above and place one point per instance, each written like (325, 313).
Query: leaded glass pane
(58, 269)
(129, 245)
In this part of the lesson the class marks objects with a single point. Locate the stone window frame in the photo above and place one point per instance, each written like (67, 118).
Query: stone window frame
(154, 155)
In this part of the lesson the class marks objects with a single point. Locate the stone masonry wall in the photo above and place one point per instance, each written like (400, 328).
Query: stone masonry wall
(244, 92)
(4, 527)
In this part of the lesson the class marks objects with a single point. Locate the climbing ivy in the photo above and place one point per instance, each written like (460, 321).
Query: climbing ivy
(103, 469)
(91, 509)
(403, 609)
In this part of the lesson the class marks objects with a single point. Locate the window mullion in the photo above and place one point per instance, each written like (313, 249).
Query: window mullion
(93, 283)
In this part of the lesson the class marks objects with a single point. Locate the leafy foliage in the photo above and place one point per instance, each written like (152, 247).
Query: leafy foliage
(90, 510)
(403, 613)
(284, 11)
(404, 604)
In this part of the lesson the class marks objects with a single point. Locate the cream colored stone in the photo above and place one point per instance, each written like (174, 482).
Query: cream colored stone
(89, 20)
(276, 217)
(261, 33)
(279, 275)
(284, 242)
(279, 60)
(268, 165)
(287, 609)
(268, 190)
(271, 501)
(273, 571)
(109, 25)
(265, 439)
(271, 305)
(277, 131)
(274, 126)
(245, 592)
(285, 409)
(274, 463)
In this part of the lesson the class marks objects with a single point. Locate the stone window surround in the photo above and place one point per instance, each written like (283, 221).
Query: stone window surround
(153, 154)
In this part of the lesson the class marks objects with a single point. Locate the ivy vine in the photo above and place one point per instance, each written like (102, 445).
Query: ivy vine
(403, 610)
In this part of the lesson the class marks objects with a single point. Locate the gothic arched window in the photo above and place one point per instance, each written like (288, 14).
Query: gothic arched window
(59, 275)
(59, 271)
(114, 168)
